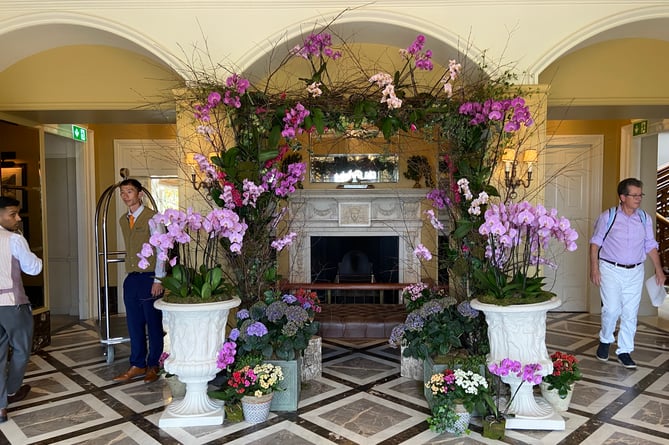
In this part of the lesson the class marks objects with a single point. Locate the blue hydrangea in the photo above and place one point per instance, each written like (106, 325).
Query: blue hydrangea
(466, 310)
(275, 311)
(290, 299)
(414, 322)
(243, 314)
(430, 307)
(257, 329)
(396, 335)
(234, 334)
(297, 314)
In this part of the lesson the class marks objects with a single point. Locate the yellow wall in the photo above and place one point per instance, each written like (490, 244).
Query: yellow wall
(85, 77)
(610, 129)
(617, 72)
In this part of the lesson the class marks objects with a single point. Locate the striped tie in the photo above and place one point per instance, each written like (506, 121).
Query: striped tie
(131, 220)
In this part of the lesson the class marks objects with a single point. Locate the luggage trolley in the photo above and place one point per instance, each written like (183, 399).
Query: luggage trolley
(109, 336)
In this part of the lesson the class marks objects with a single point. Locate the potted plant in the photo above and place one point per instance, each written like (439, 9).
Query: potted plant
(278, 328)
(516, 374)
(558, 387)
(256, 385)
(456, 393)
(439, 325)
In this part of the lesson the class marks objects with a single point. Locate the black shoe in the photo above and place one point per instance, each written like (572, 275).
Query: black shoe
(626, 360)
(19, 395)
(603, 352)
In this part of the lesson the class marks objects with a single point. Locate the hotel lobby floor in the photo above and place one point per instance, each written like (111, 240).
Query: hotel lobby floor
(361, 398)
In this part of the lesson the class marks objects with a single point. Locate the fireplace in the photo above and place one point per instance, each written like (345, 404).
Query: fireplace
(384, 224)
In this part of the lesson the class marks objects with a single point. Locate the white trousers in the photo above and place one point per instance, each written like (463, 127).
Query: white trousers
(620, 290)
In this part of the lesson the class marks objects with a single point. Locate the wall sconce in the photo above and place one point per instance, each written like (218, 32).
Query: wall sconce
(197, 185)
(511, 180)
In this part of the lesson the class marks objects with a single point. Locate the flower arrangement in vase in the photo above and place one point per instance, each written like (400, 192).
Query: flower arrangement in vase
(519, 237)
(194, 241)
(566, 372)
(528, 373)
(453, 390)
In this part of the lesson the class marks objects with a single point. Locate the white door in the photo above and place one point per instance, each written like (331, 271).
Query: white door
(573, 172)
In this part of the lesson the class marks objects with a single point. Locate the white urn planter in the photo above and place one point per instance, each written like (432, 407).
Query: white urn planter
(518, 332)
(196, 333)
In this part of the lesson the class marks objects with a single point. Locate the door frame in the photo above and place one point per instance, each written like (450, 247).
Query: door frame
(594, 144)
(85, 180)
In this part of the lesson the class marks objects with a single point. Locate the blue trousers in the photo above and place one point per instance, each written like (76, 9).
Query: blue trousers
(143, 320)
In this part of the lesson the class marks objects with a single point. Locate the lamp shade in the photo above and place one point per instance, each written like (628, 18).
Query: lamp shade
(509, 155)
(530, 155)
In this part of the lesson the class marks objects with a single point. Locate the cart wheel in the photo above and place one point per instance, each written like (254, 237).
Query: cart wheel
(110, 354)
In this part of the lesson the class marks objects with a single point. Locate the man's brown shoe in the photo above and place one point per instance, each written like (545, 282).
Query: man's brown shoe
(130, 374)
(19, 395)
(3, 415)
(151, 374)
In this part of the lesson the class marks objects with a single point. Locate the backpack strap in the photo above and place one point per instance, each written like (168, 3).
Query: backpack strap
(613, 212)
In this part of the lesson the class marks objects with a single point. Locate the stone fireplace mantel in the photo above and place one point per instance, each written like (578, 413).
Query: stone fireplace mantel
(356, 212)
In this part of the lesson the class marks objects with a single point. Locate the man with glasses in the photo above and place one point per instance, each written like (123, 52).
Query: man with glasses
(622, 240)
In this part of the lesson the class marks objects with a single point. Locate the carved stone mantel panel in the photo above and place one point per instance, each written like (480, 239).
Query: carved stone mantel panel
(356, 212)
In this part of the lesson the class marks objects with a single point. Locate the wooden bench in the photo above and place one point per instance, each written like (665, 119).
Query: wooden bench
(355, 320)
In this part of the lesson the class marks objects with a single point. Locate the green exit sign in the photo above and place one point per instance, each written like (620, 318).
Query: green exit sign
(78, 133)
(640, 127)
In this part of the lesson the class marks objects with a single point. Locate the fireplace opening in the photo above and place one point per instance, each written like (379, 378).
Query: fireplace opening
(355, 259)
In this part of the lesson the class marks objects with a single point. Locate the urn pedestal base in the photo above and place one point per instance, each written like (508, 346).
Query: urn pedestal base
(553, 421)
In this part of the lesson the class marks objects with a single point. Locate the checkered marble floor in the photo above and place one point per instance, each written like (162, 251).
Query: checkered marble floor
(360, 399)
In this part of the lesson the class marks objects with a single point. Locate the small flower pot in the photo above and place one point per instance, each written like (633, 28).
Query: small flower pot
(234, 412)
(256, 409)
(494, 428)
(553, 397)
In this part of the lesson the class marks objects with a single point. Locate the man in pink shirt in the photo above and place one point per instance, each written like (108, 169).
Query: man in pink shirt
(622, 240)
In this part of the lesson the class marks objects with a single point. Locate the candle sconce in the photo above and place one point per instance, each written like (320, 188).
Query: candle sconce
(511, 179)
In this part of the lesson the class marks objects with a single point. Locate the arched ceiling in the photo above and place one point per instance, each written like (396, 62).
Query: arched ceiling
(643, 49)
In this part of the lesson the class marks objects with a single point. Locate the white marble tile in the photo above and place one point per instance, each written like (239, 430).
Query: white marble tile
(125, 433)
(660, 386)
(202, 434)
(646, 411)
(612, 434)
(37, 365)
(326, 388)
(140, 396)
(283, 433)
(360, 368)
(542, 437)
(592, 397)
(45, 387)
(57, 418)
(87, 354)
(410, 418)
(71, 339)
(330, 350)
(101, 374)
(393, 388)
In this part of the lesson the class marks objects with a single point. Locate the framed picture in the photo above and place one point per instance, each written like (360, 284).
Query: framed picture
(13, 181)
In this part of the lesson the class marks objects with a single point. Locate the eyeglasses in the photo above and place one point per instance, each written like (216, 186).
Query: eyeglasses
(636, 196)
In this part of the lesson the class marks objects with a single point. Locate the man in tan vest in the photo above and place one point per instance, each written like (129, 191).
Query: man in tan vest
(16, 317)
(141, 288)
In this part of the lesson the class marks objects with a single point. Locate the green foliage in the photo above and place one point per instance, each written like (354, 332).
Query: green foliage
(497, 288)
(186, 285)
